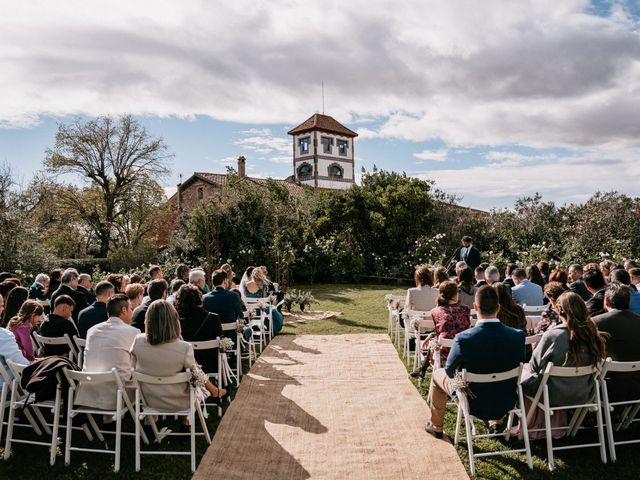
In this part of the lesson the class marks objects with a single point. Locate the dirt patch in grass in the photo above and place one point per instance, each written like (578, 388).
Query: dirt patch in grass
(302, 317)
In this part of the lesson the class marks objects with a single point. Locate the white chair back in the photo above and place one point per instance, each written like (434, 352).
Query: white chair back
(64, 340)
(533, 340)
(533, 310)
(81, 344)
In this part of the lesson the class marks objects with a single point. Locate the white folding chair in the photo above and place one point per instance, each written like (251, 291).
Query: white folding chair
(211, 345)
(262, 313)
(395, 304)
(144, 410)
(123, 405)
(251, 345)
(629, 408)
(227, 327)
(437, 362)
(423, 328)
(533, 310)
(64, 340)
(81, 344)
(411, 316)
(580, 411)
(17, 402)
(518, 410)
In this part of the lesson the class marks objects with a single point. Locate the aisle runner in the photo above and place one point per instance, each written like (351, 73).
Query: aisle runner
(330, 407)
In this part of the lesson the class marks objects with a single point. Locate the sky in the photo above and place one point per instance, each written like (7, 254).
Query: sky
(492, 100)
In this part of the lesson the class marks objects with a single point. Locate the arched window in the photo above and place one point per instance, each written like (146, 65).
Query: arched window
(335, 170)
(305, 170)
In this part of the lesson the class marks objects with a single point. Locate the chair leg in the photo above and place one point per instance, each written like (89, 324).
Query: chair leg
(116, 467)
(69, 431)
(609, 425)
(203, 424)
(547, 426)
(3, 400)
(603, 450)
(469, 429)
(458, 421)
(12, 413)
(56, 426)
(42, 420)
(525, 428)
(192, 422)
(94, 425)
(138, 428)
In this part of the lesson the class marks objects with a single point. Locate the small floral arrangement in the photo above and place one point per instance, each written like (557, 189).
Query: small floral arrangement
(434, 345)
(240, 324)
(226, 345)
(198, 380)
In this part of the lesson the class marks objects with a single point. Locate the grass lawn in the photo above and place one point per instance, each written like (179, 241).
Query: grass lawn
(363, 311)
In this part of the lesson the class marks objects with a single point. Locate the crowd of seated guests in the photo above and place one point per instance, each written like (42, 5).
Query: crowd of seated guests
(590, 312)
(127, 323)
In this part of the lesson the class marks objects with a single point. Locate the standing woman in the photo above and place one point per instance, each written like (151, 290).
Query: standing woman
(29, 316)
(256, 288)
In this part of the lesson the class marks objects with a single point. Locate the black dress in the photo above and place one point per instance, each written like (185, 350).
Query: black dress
(199, 325)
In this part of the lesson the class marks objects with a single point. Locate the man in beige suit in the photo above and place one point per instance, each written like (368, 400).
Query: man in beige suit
(108, 345)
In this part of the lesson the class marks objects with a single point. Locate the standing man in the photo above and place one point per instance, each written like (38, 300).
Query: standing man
(468, 253)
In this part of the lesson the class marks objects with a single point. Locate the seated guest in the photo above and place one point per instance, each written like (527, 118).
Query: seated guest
(543, 268)
(620, 275)
(629, 264)
(466, 288)
(510, 313)
(560, 275)
(17, 296)
(135, 278)
(182, 273)
(157, 290)
(460, 266)
(176, 283)
(605, 267)
(423, 296)
(97, 312)
(550, 317)
(134, 292)
(574, 343)
(1, 305)
(198, 325)
(508, 281)
(634, 274)
(479, 273)
(9, 351)
(255, 288)
(160, 352)
(596, 284)
(58, 324)
(449, 318)
(108, 346)
(622, 327)
(534, 275)
(489, 347)
(118, 282)
(492, 275)
(29, 316)
(225, 303)
(526, 292)
(85, 287)
(38, 289)
(440, 275)
(197, 277)
(54, 281)
(69, 287)
(576, 284)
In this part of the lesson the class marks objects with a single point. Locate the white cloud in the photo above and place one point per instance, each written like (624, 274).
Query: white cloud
(261, 141)
(433, 155)
(281, 159)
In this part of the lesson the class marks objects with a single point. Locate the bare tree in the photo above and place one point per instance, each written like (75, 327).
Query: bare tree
(113, 157)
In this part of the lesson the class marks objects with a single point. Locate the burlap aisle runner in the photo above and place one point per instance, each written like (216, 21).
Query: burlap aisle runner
(331, 407)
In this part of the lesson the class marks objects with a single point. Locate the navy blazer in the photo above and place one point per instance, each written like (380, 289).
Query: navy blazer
(88, 294)
(226, 304)
(90, 316)
(471, 256)
(488, 348)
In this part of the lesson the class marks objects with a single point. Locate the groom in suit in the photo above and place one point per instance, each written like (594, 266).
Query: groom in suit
(469, 254)
(489, 347)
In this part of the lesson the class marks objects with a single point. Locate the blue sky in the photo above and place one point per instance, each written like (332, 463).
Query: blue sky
(492, 100)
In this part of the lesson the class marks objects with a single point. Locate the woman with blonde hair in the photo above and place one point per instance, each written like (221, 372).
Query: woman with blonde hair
(161, 352)
(135, 293)
(256, 287)
(29, 316)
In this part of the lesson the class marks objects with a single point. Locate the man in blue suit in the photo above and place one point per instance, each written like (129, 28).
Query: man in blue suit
(469, 254)
(225, 303)
(97, 312)
(489, 347)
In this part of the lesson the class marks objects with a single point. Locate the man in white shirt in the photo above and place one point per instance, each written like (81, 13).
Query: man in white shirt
(9, 351)
(108, 345)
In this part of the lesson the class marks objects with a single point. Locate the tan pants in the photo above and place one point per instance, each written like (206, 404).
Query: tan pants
(441, 390)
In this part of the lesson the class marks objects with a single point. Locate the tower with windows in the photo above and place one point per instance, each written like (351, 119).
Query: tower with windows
(323, 153)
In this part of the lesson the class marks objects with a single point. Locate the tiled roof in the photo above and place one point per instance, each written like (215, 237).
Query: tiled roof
(221, 179)
(323, 122)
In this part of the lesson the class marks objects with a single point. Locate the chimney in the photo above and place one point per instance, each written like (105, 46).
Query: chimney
(241, 162)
